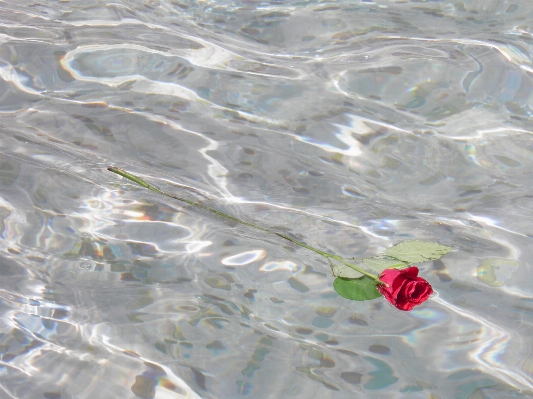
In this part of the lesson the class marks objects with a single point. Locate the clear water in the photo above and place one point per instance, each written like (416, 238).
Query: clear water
(351, 125)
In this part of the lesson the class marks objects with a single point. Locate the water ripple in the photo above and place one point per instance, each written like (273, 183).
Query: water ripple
(349, 126)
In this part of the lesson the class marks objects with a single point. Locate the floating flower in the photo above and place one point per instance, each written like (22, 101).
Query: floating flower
(403, 288)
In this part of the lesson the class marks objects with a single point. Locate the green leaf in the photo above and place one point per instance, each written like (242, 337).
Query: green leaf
(380, 264)
(417, 251)
(494, 271)
(361, 289)
(341, 270)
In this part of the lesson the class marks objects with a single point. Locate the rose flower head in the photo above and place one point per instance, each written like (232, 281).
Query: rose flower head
(404, 289)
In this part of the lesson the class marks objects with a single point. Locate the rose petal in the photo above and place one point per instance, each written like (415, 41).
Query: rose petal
(405, 289)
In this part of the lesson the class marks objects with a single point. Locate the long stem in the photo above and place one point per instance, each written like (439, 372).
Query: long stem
(141, 182)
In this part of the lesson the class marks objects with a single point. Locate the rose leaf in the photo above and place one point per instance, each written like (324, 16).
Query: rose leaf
(417, 251)
(361, 289)
(380, 264)
(494, 271)
(341, 270)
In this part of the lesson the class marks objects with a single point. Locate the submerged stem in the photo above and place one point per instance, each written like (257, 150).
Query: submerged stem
(141, 182)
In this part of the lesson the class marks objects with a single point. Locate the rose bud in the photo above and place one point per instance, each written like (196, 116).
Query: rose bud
(403, 288)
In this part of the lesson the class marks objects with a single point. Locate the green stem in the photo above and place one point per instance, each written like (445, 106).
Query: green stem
(155, 189)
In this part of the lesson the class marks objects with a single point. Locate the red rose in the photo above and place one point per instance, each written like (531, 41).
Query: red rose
(405, 289)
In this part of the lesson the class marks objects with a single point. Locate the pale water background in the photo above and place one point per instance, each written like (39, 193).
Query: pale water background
(350, 125)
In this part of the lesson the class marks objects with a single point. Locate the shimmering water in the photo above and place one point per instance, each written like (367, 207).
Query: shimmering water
(350, 125)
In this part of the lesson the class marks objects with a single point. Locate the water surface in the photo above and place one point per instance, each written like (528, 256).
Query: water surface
(349, 125)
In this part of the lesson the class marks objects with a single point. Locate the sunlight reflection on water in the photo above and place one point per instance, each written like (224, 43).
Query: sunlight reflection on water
(349, 126)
